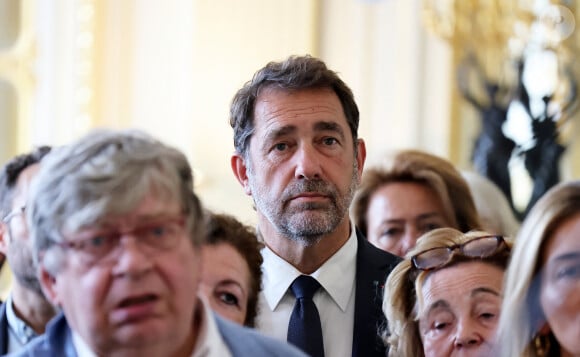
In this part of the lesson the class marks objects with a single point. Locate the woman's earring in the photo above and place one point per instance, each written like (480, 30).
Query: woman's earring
(542, 341)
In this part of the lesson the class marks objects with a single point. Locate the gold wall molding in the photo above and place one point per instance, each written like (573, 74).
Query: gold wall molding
(17, 69)
(86, 38)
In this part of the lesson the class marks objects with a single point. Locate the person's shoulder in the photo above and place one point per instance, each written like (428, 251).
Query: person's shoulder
(374, 254)
(56, 341)
(3, 309)
(244, 341)
(38, 347)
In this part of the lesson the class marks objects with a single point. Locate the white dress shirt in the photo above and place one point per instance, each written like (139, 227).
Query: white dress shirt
(209, 340)
(19, 333)
(335, 300)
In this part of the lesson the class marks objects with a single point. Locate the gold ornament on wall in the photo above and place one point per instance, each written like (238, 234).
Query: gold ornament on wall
(17, 60)
(515, 67)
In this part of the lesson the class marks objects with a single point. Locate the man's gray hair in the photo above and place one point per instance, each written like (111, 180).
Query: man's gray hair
(106, 173)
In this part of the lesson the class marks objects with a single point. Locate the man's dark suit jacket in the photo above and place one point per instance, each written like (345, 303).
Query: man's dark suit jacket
(373, 265)
(3, 330)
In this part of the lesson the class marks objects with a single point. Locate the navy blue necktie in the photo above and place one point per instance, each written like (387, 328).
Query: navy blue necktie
(305, 330)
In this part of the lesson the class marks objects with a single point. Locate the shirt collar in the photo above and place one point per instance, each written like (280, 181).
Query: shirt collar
(21, 330)
(336, 275)
(83, 350)
(209, 340)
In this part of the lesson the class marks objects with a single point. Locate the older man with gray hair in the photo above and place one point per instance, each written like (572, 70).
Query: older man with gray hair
(117, 230)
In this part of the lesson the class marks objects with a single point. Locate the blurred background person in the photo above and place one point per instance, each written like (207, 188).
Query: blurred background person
(117, 232)
(542, 295)
(231, 270)
(26, 312)
(445, 297)
(5, 280)
(408, 195)
(492, 206)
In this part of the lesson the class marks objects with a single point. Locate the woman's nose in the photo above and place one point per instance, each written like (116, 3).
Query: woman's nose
(467, 335)
(409, 240)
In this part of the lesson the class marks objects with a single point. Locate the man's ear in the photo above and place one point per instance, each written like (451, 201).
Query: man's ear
(240, 171)
(4, 237)
(361, 157)
(48, 284)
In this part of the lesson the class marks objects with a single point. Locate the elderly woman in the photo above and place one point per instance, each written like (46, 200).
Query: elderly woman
(542, 295)
(412, 194)
(445, 297)
(232, 273)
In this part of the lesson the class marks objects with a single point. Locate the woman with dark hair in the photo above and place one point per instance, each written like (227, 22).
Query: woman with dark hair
(231, 276)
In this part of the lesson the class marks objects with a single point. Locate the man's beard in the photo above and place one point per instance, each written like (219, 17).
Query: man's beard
(22, 265)
(304, 223)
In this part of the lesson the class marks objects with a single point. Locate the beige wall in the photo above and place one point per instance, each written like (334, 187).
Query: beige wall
(172, 67)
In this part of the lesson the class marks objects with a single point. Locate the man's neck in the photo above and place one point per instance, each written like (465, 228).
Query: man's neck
(31, 307)
(306, 258)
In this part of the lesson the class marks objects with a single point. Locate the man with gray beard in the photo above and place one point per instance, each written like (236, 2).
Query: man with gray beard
(26, 312)
(299, 157)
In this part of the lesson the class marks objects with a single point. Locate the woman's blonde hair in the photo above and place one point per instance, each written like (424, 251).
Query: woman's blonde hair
(401, 299)
(420, 167)
(522, 315)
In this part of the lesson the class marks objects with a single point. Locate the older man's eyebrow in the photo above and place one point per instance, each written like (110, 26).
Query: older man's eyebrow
(275, 134)
(281, 131)
(329, 126)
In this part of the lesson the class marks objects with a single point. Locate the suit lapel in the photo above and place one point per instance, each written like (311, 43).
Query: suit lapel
(372, 268)
(3, 330)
